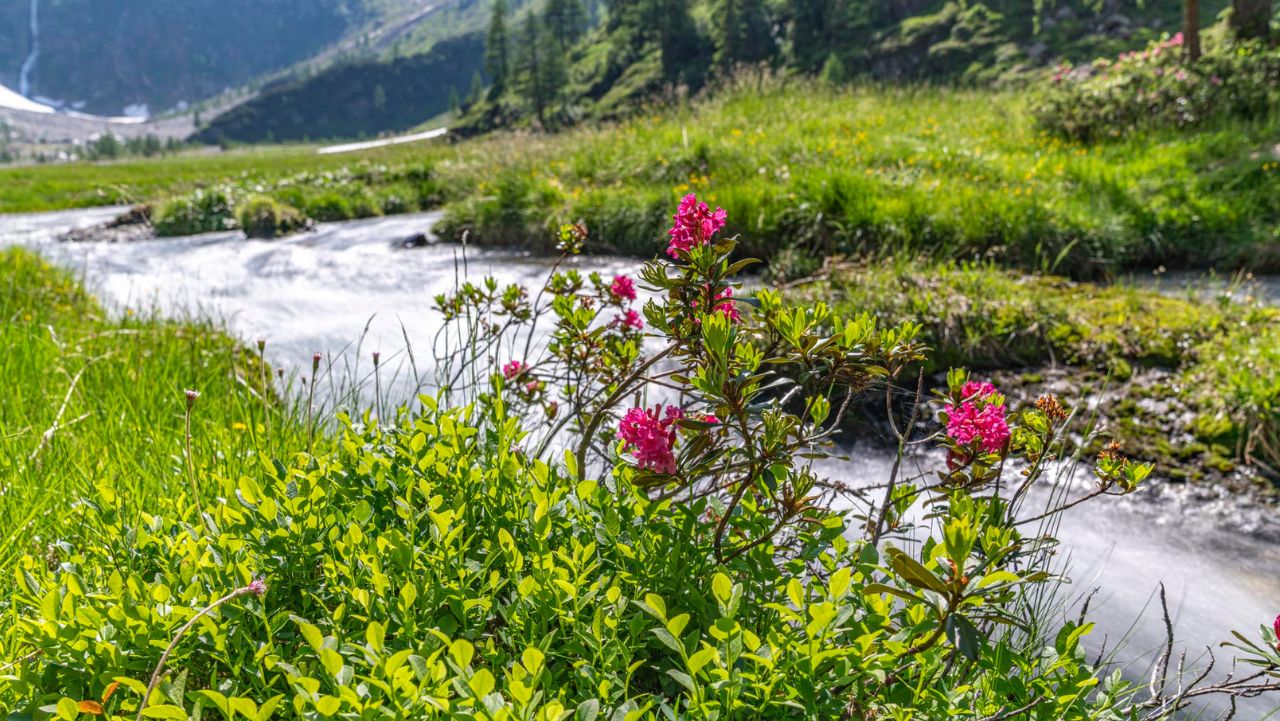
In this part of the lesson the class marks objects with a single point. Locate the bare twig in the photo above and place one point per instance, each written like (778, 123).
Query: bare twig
(57, 420)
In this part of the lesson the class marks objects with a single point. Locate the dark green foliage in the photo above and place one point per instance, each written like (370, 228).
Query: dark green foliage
(566, 21)
(344, 101)
(532, 78)
(684, 50)
(1251, 19)
(742, 33)
(497, 60)
(612, 71)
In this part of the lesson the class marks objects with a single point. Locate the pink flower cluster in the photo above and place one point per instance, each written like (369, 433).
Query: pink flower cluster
(650, 437)
(979, 419)
(513, 369)
(695, 224)
(630, 319)
(623, 288)
(724, 305)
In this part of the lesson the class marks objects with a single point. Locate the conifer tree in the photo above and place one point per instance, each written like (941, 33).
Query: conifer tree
(566, 21)
(532, 72)
(744, 34)
(679, 42)
(496, 51)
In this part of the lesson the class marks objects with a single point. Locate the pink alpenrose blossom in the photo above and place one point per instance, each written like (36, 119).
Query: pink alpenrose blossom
(630, 319)
(978, 419)
(650, 437)
(513, 369)
(695, 224)
(623, 287)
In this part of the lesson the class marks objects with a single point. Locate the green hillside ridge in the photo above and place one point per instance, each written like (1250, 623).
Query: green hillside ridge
(354, 99)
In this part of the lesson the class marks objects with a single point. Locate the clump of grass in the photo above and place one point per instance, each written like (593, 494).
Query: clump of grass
(263, 217)
(203, 211)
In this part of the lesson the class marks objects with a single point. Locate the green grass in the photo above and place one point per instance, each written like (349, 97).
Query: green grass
(77, 185)
(945, 172)
(113, 390)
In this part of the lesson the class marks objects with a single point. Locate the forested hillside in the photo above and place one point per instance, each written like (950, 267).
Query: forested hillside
(356, 98)
(557, 68)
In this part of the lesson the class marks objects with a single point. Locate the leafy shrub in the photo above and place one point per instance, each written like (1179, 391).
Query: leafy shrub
(439, 564)
(1157, 88)
(203, 211)
(328, 207)
(264, 217)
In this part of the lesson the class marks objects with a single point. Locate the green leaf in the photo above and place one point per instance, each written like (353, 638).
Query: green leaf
(840, 581)
(874, 588)
(375, 635)
(67, 709)
(913, 572)
(964, 636)
(328, 705)
(462, 652)
(668, 640)
(702, 658)
(683, 679)
(165, 711)
(655, 605)
(998, 577)
(481, 683)
(722, 587)
(532, 659)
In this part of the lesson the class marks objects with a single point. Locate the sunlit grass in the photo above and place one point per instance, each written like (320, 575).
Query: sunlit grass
(95, 406)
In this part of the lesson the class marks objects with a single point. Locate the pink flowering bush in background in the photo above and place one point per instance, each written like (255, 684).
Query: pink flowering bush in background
(1157, 87)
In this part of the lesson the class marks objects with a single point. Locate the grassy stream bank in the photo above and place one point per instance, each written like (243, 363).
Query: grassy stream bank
(802, 169)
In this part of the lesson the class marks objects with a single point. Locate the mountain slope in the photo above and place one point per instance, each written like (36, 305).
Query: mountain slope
(356, 98)
(105, 55)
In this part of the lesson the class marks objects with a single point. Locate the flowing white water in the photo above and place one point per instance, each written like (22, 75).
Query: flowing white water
(29, 62)
(345, 290)
(352, 288)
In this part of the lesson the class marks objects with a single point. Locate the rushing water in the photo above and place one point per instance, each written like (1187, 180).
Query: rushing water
(351, 288)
